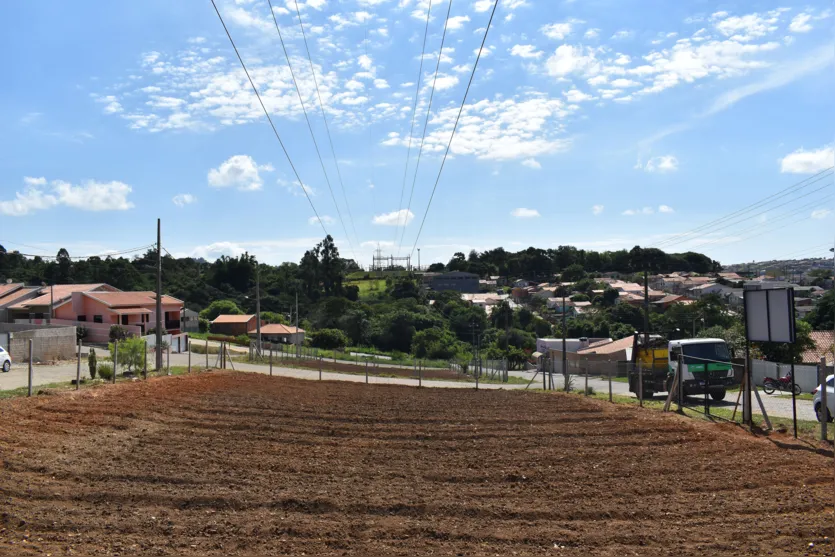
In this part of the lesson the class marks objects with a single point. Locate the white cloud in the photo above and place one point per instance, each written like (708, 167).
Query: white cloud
(325, 220)
(597, 210)
(532, 163)
(559, 31)
(381, 84)
(197, 40)
(633, 212)
(183, 199)
(748, 27)
(623, 34)
(396, 218)
(568, 59)
(665, 209)
(522, 213)
(624, 83)
(317, 4)
(661, 164)
(821, 213)
(591, 34)
(457, 22)
(576, 96)
(598, 80)
(525, 51)
(800, 23)
(240, 172)
(445, 82)
(365, 62)
(808, 162)
(482, 5)
(90, 196)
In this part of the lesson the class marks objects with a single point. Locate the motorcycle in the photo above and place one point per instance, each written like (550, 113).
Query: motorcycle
(782, 384)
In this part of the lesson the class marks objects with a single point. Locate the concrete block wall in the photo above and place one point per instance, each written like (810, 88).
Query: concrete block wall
(47, 344)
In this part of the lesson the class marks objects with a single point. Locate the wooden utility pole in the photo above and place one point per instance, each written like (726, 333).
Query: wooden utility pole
(257, 310)
(646, 310)
(158, 351)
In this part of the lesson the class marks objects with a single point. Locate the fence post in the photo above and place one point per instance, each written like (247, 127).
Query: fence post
(320, 369)
(189, 356)
(475, 372)
(78, 368)
(640, 383)
(610, 380)
(271, 361)
(681, 383)
(586, 390)
(115, 358)
(168, 362)
(145, 361)
(207, 353)
(31, 376)
(420, 377)
(824, 408)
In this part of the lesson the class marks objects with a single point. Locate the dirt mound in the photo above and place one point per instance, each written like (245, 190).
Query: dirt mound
(244, 464)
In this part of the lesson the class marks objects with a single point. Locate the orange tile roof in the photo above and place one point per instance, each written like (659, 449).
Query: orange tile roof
(16, 295)
(608, 348)
(277, 329)
(8, 288)
(130, 299)
(233, 318)
(60, 292)
(129, 311)
(823, 347)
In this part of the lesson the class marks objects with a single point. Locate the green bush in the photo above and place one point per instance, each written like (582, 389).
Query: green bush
(131, 354)
(329, 339)
(81, 333)
(91, 363)
(243, 340)
(118, 332)
(203, 324)
(106, 370)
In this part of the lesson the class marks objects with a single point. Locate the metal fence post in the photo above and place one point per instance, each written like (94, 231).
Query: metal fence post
(115, 358)
(145, 360)
(824, 404)
(31, 376)
(78, 368)
(271, 361)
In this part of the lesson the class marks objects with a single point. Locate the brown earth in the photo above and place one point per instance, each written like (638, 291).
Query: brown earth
(243, 464)
(346, 367)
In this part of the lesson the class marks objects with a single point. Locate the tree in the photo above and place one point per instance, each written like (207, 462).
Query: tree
(788, 353)
(579, 298)
(502, 315)
(118, 332)
(436, 268)
(435, 343)
(734, 337)
(220, 307)
(356, 325)
(573, 273)
(329, 339)
(610, 297)
(821, 318)
(131, 353)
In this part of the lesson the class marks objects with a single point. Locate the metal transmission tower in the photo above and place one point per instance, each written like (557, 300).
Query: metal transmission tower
(390, 262)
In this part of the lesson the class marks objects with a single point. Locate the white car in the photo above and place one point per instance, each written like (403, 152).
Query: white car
(830, 400)
(5, 360)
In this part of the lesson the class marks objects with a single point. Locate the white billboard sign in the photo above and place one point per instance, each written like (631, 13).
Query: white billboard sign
(769, 315)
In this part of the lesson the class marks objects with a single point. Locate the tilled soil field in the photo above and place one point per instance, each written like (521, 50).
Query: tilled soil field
(380, 369)
(243, 464)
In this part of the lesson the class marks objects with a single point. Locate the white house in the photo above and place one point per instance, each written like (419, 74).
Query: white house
(710, 288)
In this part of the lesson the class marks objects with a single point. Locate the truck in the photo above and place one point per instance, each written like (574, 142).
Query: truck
(707, 366)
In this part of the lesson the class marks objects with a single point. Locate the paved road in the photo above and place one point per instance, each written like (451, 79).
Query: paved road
(776, 406)
(18, 377)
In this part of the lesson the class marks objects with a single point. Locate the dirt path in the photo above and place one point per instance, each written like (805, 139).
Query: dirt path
(245, 464)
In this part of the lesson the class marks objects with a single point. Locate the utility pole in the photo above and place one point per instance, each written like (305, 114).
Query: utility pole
(158, 351)
(646, 308)
(258, 308)
(297, 316)
(564, 355)
(51, 302)
(418, 260)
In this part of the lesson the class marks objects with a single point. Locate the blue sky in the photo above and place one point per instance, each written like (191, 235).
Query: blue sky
(595, 123)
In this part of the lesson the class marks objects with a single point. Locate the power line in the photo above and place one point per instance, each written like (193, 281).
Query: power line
(99, 255)
(455, 127)
(309, 126)
(412, 127)
(325, 119)
(269, 119)
(426, 122)
(713, 230)
(782, 193)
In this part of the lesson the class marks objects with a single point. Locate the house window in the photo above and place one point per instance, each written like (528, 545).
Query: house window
(81, 318)
(124, 320)
(97, 319)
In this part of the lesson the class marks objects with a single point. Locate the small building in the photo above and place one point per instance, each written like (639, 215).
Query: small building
(710, 288)
(189, 321)
(457, 281)
(523, 283)
(11, 294)
(279, 334)
(824, 341)
(234, 325)
(53, 297)
(670, 300)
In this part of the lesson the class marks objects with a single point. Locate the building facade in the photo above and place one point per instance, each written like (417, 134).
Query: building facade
(457, 281)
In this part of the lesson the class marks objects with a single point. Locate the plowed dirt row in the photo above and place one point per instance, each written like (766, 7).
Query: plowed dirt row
(244, 464)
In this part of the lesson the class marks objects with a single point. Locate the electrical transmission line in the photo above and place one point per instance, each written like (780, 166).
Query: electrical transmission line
(455, 127)
(310, 127)
(325, 120)
(412, 127)
(270, 120)
(426, 123)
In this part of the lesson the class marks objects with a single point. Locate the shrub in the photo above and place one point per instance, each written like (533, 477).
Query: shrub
(80, 333)
(131, 353)
(118, 333)
(203, 325)
(106, 370)
(91, 363)
(243, 340)
(329, 339)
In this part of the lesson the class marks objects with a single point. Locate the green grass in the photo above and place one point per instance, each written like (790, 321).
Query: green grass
(801, 396)
(372, 288)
